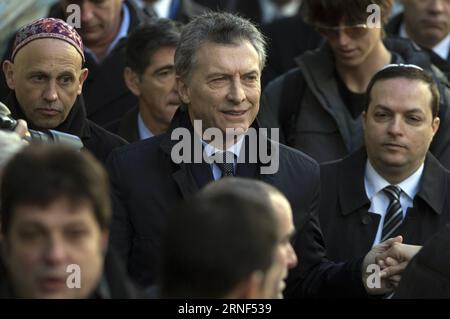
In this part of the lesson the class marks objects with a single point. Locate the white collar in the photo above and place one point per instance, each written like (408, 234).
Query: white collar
(235, 148)
(375, 183)
(442, 48)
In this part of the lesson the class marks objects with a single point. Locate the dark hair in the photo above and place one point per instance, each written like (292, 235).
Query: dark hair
(216, 27)
(42, 174)
(331, 12)
(149, 38)
(215, 241)
(410, 72)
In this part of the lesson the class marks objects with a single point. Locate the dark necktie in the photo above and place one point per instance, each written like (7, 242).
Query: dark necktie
(394, 213)
(226, 164)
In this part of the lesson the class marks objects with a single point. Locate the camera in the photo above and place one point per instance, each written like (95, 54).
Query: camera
(44, 136)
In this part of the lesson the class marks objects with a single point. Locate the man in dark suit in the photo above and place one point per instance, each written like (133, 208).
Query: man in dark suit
(218, 62)
(104, 28)
(150, 75)
(427, 23)
(392, 186)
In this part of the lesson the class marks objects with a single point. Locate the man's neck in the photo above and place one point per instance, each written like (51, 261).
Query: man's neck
(393, 175)
(100, 48)
(357, 78)
(154, 125)
(426, 42)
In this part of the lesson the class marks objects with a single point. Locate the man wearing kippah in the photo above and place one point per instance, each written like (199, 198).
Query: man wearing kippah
(393, 185)
(104, 26)
(46, 77)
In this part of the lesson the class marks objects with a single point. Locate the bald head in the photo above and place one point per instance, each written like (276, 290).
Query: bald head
(269, 196)
(46, 77)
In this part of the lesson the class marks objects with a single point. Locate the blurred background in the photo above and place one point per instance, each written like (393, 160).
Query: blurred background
(16, 13)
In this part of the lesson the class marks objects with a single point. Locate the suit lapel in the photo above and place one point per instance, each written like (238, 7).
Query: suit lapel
(202, 173)
(352, 192)
(354, 202)
(185, 180)
(189, 177)
(128, 127)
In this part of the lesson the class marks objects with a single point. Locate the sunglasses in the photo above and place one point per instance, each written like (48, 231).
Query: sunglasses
(352, 31)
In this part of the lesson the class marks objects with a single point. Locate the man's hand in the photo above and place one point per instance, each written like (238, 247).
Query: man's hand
(22, 128)
(370, 259)
(394, 261)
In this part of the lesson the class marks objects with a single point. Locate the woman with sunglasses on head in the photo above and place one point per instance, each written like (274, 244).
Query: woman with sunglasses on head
(318, 105)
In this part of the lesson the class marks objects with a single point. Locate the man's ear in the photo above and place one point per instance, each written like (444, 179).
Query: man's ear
(83, 76)
(132, 81)
(8, 70)
(435, 124)
(183, 90)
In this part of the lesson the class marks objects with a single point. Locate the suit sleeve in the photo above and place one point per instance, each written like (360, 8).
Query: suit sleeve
(315, 276)
(121, 230)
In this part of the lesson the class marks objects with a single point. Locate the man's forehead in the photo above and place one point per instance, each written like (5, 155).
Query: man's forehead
(48, 51)
(162, 53)
(399, 90)
(400, 86)
(209, 54)
(58, 212)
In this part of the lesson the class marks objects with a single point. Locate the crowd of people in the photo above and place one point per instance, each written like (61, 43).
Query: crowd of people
(182, 106)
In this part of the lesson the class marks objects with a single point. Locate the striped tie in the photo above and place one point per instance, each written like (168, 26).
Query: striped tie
(394, 213)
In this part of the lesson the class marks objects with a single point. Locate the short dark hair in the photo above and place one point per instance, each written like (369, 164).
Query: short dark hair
(410, 72)
(331, 12)
(147, 39)
(216, 27)
(42, 174)
(215, 241)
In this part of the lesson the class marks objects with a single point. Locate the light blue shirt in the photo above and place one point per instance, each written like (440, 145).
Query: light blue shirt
(123, 32)
(143, 130)
(375, 184)
(209, 150)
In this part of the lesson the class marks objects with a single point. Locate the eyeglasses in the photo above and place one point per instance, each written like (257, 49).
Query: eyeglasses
(353, 31)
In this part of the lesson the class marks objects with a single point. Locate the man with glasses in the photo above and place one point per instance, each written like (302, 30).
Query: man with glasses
(318, 105)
